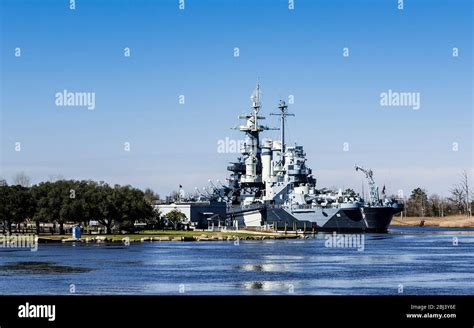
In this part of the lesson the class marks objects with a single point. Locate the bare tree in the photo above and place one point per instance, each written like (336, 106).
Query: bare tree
(21, 179)
(174, 196)
(441, 207)
(457, 199)
(435, 205)
(464, 186)
(54, 178)
(151, 196)
(461, 195)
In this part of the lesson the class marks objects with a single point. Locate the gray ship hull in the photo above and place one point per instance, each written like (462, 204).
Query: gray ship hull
(354, 219)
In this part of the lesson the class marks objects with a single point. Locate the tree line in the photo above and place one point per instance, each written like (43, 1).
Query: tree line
(119, 207)
(419, 203)
(75, 201)
(460, 202)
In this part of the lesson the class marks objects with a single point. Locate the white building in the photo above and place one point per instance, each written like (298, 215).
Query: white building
(198, 214)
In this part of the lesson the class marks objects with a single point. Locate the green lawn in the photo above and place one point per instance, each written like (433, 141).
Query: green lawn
(160, 233)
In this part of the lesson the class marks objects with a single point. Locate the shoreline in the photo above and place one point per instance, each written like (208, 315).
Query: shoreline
(455, 221)
(235, 236)
(183, 236)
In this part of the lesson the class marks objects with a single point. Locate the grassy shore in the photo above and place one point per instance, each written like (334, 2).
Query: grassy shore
(453, 221)
(456, 221)
(170, 235)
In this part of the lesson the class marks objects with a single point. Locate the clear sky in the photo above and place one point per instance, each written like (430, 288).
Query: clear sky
(190, 52)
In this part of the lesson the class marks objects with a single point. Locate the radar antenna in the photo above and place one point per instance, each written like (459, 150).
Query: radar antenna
(255, 97)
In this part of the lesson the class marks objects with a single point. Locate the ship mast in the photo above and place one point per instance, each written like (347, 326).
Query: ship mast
(251, 149)
(283, 107)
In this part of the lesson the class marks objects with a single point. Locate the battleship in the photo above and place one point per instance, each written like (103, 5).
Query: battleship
(271, 185)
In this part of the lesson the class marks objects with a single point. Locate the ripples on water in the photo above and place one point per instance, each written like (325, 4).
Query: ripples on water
(421, 260)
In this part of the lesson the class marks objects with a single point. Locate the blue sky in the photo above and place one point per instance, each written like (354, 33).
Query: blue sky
(191, 52)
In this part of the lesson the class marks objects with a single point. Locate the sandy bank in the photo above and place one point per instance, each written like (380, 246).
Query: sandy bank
(455, 221)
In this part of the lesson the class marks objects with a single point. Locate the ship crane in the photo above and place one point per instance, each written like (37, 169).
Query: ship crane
(374, 190)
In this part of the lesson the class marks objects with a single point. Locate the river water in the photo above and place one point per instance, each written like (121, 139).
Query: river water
(408, 260)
